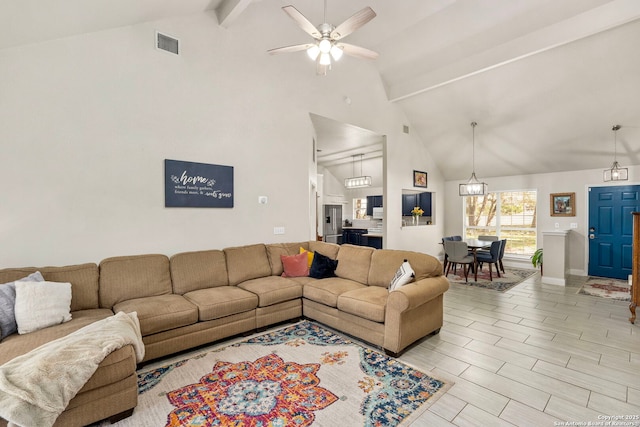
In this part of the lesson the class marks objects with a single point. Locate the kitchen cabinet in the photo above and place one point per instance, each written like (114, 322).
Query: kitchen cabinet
(424, 201)
(410, 201)
(373, 202)
(372, 241)
(353, 236)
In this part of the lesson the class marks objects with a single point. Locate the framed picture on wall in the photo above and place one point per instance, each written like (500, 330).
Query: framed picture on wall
(419, 179)
(563, 204)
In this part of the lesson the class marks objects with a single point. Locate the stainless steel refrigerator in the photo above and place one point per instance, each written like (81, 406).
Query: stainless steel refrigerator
(332, 230)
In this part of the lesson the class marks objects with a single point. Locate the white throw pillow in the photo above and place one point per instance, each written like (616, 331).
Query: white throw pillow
(404, 275)
(41, 304)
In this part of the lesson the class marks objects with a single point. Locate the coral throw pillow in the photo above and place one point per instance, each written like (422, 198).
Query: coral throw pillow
(295, 265)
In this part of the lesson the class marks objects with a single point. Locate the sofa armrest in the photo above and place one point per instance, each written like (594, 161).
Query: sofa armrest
(417, 293)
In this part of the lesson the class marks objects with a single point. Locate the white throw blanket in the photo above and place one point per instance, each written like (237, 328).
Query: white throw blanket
(35, 388)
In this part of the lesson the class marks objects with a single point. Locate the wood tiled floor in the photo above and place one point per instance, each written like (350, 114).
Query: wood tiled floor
(536, 355)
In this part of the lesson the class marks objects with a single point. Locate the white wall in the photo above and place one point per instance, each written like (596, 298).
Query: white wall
(545, 184)
(86, 122)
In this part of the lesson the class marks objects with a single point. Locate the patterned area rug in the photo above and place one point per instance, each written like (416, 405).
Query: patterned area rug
(299, 375)
(511, 277)
(607, 288)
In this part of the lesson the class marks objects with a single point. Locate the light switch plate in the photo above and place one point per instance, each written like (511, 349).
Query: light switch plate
(263, 200)
(278, 230)
(574, 225)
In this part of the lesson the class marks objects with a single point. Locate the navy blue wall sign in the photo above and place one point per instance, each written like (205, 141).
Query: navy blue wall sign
(199, 185)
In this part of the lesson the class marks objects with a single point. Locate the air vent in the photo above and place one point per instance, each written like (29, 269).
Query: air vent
(405, 129)
(167, 43)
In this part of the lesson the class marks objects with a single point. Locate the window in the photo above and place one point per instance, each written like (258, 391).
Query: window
(510, 215)
(359, 208)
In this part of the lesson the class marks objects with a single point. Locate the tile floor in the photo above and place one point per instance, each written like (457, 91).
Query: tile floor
(536, 355)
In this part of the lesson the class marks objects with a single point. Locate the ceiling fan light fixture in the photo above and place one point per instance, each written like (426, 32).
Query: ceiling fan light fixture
(325, 59)
(313, 52)
(336, 52)
(615, 172)
(324, 46)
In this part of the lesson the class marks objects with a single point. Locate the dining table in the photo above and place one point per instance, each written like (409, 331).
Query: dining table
(474, 245)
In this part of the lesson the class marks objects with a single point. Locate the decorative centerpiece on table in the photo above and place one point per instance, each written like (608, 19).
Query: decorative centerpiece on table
(416, 212)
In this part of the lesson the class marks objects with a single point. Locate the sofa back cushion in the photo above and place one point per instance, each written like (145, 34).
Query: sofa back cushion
(385, 264)
(326, 249)
(128, 277)
(275, 250)
(247, 262)
(83, 279)
(191, 271)
(354, 263)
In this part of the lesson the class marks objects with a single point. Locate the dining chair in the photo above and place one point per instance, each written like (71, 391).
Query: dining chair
(504, 245)
(492, 257)
(458, 253)
(488, 238)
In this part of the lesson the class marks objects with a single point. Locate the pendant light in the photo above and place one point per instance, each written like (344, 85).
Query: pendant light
(615, 172)
(473, 187)
(357, 181)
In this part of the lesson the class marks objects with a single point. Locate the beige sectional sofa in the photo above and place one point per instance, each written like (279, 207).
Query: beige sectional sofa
(196, 298)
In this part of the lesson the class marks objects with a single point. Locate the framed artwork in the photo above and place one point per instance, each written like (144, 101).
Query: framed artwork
(563, 204)
(419, 179)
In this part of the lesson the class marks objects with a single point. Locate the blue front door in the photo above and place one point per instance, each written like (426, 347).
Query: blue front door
(611, 229)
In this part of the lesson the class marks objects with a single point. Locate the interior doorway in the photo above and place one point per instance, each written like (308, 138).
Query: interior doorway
(611, 230)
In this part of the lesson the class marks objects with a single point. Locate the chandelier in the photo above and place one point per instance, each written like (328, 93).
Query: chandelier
(357, 181)
(615, 172)
(473, 187)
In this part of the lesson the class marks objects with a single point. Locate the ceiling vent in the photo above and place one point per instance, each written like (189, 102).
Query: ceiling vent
(167, 43)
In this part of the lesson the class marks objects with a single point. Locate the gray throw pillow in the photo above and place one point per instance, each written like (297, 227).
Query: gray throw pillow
(8, 324)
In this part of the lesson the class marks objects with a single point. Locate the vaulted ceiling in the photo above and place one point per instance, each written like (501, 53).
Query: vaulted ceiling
(545, 79)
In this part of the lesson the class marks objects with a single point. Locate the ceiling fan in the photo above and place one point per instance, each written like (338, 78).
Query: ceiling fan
(327, 37)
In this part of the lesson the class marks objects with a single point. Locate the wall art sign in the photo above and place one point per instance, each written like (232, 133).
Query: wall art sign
(198, 185)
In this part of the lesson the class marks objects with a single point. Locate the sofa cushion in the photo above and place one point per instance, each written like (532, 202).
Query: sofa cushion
(368, 302)
(276, 250)
(309, 255)
(385, 262)
(83, 279)
(322, 266)
(246, 263)
(191, 271)
(327, 291)
(272, 289)
(354, 263)
(221, 301)
(160, 313)
(327, 249)
(129, 277)
(41, 304)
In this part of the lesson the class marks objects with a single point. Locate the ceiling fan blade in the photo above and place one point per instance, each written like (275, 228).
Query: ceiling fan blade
(287, 49)
(302, 21)
(353, 23)
(357, 51)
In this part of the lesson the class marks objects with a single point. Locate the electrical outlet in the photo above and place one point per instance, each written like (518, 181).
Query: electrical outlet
(278, 230)
(557, 225)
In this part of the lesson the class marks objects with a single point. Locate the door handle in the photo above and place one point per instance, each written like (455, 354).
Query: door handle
(592, 233)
